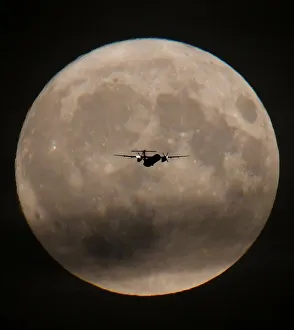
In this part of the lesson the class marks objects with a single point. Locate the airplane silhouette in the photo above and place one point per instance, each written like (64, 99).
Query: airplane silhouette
(150, 160)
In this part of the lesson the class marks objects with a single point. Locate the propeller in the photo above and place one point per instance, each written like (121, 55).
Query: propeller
(166, 156)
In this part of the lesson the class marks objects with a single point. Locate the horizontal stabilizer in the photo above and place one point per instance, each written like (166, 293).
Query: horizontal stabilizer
(143, 150)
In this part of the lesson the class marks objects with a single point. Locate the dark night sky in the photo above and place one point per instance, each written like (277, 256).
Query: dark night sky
(36, 43)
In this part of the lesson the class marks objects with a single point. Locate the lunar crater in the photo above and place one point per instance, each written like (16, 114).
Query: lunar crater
(247, 108)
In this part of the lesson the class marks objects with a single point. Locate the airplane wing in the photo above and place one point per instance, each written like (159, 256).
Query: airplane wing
(127, 156)
(178, 156)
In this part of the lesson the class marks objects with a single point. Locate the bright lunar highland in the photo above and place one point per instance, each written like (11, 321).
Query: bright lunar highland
(147, 231)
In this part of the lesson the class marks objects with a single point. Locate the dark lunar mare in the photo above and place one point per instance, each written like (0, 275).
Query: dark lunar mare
(192, 235)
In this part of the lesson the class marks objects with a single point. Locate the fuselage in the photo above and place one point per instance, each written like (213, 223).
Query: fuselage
(150, 161)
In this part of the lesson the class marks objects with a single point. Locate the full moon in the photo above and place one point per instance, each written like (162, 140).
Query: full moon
(131, 229)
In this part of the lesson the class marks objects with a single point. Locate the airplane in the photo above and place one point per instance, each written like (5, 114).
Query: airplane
(150, 160)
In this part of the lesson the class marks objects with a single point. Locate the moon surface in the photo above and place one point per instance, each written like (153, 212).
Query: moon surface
(147, 231)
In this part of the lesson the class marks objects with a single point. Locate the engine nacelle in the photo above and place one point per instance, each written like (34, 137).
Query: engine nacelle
(139, 158)
(164, 159)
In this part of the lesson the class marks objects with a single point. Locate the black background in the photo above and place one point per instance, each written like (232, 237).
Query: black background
(37, 41)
